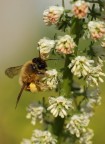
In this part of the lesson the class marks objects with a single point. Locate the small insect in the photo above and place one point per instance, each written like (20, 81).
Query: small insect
(31, 73)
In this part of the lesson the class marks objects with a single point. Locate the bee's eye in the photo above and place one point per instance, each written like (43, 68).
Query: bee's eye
(33, 67)
(41, 66)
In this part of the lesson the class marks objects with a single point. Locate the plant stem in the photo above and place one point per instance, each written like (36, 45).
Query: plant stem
(67, 78)
(63, 3)
(66, 86)
(58, 128)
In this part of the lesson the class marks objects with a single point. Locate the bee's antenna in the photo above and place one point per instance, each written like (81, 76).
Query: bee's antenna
(19, 95)
(39, 54)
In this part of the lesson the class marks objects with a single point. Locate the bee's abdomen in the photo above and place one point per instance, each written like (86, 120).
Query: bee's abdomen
(26, 78)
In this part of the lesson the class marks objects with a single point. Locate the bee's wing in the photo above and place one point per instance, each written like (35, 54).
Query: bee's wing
(12, 71)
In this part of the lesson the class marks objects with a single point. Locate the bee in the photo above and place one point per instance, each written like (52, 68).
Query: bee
(31, 73)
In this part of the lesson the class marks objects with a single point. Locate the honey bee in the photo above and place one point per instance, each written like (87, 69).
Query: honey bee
(30, 76)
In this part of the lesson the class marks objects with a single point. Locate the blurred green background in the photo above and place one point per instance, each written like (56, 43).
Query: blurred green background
(21, 27)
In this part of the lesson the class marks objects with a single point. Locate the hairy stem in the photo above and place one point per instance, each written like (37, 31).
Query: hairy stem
(63, 3)
(67, 78)
(66, 90)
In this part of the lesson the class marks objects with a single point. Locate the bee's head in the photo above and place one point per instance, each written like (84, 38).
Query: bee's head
(41, 64)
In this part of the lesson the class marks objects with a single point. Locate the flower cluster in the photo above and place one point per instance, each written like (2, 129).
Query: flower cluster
(83, 67)
(94, 77)
(93, 98)
(50, 80)
(26, 141)
(65, 45)
(59, 106)
(80, 66)
(35, 113)
(80, 9)
(52, 15)
(77, 124)
(103, 42)
(86, 137)
(42, 137)
(94, 95)
(96, 29)
(87, 107)
(44, 46)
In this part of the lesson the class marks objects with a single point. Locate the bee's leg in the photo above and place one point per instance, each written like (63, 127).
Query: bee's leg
(19, 95)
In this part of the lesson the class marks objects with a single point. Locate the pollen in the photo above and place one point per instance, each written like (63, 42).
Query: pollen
(33, 87)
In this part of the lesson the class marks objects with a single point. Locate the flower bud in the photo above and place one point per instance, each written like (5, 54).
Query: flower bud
(96, 29)
(52, 15)
(65, 45)
(44, 46)
(80, 9)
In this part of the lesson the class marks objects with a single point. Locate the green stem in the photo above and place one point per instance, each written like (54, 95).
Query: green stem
(66, 91)
(67, 78)
(77, 29)
(58, 128)
(63, 3)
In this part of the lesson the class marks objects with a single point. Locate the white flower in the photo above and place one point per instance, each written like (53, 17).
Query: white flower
(26, 141)
(88, 106)
(59, 106)
(52, 15)
(80, 9)
(86, 137)
(42, 137)
(44, 46)
(96, 29)
(100, 62)
(35, 113)
(50, 80)
(80, 66)
(92, 98)
(65, 45)
(95, 95)
(94, 76)
(77, 124)
(103, 42)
